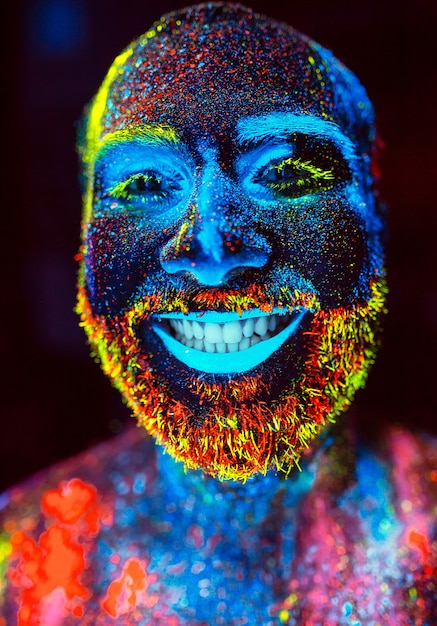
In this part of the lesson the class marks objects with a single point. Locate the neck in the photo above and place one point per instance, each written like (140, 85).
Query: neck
(250, 502)
(250, 527)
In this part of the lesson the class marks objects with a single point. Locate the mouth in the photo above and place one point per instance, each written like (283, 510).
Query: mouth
(226, 343)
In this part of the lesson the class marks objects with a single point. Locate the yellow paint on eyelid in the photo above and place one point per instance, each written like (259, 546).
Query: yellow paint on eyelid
(119, 190)
(307, 166)
(147, 134)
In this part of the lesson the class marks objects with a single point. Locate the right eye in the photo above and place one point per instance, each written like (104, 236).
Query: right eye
(149, 188)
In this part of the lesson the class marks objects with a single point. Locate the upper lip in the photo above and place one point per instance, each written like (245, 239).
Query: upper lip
(221, 317)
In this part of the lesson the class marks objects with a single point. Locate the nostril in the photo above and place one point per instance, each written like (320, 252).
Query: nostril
(211, 255)
(232, 243)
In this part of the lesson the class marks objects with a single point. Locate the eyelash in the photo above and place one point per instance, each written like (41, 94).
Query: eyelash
(305, 177)
(142, 195)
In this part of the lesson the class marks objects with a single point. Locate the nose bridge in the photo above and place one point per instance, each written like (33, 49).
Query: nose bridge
(211, 184)
(211, 209)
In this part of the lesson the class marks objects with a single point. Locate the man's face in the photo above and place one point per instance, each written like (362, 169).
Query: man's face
(231, 265)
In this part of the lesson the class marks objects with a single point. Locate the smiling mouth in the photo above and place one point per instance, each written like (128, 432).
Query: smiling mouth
(226, 343)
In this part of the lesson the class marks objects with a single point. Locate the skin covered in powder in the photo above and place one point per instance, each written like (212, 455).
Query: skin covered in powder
(226, 193)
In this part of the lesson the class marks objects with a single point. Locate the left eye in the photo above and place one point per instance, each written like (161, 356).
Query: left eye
(148, 187)
(293, 177)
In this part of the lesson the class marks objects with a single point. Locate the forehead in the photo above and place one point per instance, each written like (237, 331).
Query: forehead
(202, 71)
(213, 71)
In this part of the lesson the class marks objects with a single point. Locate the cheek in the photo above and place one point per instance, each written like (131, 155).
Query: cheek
(119, 256)
(337, 254)
(327, 245)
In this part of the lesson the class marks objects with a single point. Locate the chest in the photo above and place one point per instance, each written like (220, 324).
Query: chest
(181, 571)
(192, 573)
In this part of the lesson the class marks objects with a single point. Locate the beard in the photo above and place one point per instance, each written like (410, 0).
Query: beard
(235, 426)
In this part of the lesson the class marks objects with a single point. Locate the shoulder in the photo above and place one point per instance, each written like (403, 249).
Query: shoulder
(413, 468)
(128, 453)
(405, 461)
(412, 457)
(50, 522)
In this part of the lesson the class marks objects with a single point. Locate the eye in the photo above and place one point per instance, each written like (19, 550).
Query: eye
(303, 166)
(292, 177)
(149, 187)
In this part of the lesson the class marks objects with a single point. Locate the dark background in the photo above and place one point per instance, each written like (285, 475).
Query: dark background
(55, 400)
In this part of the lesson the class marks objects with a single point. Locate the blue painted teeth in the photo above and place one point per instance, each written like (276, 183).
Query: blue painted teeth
(233, 336)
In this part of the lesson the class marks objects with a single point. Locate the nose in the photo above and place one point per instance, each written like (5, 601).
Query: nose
(213, 242)
(210, 256)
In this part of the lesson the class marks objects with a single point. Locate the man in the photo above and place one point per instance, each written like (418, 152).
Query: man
(232, 286)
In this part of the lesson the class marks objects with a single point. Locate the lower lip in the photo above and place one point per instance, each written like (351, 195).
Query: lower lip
(229, 363)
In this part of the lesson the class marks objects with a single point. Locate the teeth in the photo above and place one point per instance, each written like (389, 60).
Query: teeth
(271, 324)
(188, 329)
(228, 337)
(208, 346)
(232, 332)
(244, 343)
(198, 330)
(198, 344)
(261, 326)
(249, 327)
(213, 333)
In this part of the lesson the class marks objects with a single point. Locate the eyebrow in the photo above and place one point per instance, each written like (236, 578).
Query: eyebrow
(146, 134)
(280, 126)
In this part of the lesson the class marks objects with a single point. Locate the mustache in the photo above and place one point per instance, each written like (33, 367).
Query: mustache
(153, 300)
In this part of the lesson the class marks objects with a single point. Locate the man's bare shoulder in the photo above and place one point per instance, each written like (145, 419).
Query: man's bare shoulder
(409, 453)
(49, 524)
(131, 454)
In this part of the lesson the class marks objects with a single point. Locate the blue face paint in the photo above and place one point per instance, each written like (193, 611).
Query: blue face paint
(213, 192)
(153, 180)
